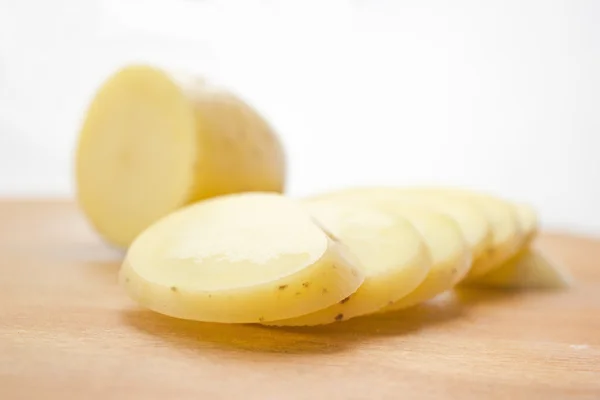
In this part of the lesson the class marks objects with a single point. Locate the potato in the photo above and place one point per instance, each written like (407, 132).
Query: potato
(507, 235)
(394, 257)
(530, 269)
(238, 258)
(152, 142)
(528, 220)
(451, 255)
(471, 221)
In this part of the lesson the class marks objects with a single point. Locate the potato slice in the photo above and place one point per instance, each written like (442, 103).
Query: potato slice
(152, 143)
(528, 220)
(451, 255)
(530, 269)
(507, 235)
(238, 258)
(471, 221)
(394, 257)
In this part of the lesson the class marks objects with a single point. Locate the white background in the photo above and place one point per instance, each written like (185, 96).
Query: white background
(497, 95)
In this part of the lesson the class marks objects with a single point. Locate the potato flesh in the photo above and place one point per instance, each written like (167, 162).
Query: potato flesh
(507, 235)
(239, 258)
(471, 221)
(392, 253)
(450, 253)
(150, 145)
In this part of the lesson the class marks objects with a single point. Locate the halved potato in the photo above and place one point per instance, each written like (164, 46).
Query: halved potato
(530, 269)
(152, 142)
(241, 258)
(394, 257)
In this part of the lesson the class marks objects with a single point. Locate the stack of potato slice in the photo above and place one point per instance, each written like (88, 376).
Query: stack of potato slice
(267, 258)
(189, 179)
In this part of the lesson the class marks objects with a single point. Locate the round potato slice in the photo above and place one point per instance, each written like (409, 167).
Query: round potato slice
(450, 253)
(152, 142)
(471, 220)
(507, 235)
(241, 258)
(528, 220)
(393, 255)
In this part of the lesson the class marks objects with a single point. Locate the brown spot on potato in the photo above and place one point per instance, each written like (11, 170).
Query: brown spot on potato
(282, 287)
(339, 317)
(173, 288)
(345, 299)
(126, 280)
(306, 284)
(454, 271)
(298, 293)
(324, 291)
(390, 303)
(261, 319)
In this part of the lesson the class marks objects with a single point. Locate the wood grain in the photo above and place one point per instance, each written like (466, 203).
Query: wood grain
(67, 331)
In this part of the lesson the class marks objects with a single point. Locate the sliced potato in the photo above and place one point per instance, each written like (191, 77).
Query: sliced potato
(528, 219)
(394, 257)
(529, 270)
(451, 255)
(507, 235)
(152, 142)
(471, 220)
(241, 258)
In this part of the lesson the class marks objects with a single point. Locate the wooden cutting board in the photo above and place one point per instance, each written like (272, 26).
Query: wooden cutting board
(67, 331)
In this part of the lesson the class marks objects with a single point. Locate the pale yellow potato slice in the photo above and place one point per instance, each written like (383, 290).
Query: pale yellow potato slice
(529, 221)
(471, 220)
(530, 269)
(451, 255)
(152, 142)
(394, 257)
(242, 258)
(508, 236)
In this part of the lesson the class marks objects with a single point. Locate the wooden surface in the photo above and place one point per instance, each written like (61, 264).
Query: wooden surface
(67, 331)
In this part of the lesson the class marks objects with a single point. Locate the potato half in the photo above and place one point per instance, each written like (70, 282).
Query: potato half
(238, 258)
(152, 142)
(392, 252)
